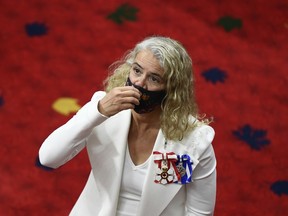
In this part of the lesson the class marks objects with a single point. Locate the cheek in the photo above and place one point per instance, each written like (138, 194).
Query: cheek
(160, 88)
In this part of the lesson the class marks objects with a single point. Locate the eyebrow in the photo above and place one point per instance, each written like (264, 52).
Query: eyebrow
(135, 63)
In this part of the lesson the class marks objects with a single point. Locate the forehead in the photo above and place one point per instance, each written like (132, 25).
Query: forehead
(148, 61)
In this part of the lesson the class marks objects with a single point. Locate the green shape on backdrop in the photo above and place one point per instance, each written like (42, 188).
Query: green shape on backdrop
(229, 23)
(122, 13)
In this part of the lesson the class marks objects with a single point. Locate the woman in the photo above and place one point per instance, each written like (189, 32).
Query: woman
(149, 153)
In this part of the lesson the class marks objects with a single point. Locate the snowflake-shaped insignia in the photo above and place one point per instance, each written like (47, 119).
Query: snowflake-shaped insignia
(214, 75)
(229, 23)
(280, 187)
(255, 138)
(122, 13)
(1, 98)
(36, 29)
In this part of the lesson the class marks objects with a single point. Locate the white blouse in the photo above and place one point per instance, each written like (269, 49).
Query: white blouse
(131, 187)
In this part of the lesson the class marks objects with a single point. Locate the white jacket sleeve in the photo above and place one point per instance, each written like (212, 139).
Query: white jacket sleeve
(201, 193)
(69, 139)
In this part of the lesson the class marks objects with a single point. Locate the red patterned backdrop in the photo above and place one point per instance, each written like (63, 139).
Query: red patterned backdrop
(55, 54)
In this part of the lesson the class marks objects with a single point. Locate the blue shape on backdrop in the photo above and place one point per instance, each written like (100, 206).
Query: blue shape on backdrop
(36, 29)
(280, 188)
(214, 75)
(255, 138)
(38, 164)
(1, 98)
(1, 101)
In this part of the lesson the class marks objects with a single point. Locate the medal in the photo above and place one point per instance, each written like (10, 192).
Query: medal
(181, 169)
(165, 167)
(164, 175)
(172, 168)
(184, 167)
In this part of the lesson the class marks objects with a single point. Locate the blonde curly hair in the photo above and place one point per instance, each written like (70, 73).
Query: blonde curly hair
(179, 104)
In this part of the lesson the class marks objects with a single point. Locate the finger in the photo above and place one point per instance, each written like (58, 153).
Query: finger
(120, 107)
(130, 100)
(127, 91)
(126, 106)
(129, 88)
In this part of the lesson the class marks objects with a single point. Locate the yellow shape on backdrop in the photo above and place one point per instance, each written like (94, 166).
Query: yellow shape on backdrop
(66, 105)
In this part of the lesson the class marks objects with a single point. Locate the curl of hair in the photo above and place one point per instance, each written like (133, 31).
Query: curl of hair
(179, 104)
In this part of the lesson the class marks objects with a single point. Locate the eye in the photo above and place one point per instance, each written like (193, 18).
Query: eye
(155, 79)
(136, 70)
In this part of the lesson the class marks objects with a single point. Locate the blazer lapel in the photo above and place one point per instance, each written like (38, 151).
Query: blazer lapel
(156, 197)
(109, 180)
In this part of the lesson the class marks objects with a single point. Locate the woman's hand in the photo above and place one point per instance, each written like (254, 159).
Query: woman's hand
(118, 99)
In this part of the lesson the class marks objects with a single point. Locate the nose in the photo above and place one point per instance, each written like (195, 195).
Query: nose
(141, 81)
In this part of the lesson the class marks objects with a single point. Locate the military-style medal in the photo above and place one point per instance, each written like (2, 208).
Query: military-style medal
(172, 168)
(165, 171)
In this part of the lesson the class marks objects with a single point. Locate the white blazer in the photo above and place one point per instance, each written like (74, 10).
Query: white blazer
(106, 142)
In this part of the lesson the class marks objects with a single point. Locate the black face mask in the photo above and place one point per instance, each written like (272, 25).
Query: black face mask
(149, 99)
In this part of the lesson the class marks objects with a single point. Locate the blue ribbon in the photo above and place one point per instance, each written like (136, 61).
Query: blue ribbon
(187, 165)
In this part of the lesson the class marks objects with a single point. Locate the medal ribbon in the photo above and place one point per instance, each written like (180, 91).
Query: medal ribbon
(171, 159)
(187, 165)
